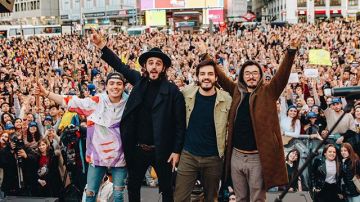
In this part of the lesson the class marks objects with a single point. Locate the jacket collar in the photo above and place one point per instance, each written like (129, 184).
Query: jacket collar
(195, 89)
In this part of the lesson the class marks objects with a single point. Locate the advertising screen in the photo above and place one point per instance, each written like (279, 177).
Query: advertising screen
(155, 18)
(169, 3)
(176, 4)
(216, 15)
(147, 4)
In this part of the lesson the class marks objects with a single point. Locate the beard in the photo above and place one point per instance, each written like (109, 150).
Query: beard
(251, 86)
(207, 88)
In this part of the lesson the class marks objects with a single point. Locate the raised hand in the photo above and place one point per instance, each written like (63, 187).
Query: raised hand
(40, 90)
(97, 39)
(295, 41)
(202, 47)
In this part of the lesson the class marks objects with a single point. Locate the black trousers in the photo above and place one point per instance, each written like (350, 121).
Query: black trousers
(328, 194)
(136, 173)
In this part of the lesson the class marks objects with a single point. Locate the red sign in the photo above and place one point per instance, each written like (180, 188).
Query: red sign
(216, 15)
(321, 12)
(335, 11)
(249, 17)
(302, 12)
(169, 3)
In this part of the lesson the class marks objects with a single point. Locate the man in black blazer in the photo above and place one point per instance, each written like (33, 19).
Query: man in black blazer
(153, 124)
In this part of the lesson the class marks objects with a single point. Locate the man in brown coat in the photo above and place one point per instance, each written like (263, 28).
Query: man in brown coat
(254, 148)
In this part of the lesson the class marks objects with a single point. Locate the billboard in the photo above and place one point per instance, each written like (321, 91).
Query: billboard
(155, 18)
(203, 3)
(169, 3)
(215, 15)
(147, 4)
(177, 4)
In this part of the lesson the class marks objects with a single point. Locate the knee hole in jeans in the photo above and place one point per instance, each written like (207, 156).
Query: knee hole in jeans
(90, 193)
(119, 188)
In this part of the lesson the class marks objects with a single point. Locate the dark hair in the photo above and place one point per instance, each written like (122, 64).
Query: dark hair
(295, 163)
(205, 62)
(4, 103)
(246, 64)
(293, 120)
(327, 147)
(352, 154)
(47, 144)
(29, 136)
(115, 75)
(336, 157)
(2, 118)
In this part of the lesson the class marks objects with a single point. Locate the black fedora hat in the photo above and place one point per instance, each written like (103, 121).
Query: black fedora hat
(155, 52)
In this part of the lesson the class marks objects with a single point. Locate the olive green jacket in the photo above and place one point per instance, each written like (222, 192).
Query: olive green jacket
(221, 113)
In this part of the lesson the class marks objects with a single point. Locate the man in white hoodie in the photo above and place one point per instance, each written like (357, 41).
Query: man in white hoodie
(104, 148)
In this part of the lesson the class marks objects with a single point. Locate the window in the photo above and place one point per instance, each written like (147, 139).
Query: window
(319, 2)
(76, 4)
(66, 5)
(16, 7)
(89, 4)
(37, 4)
(335, 2)
(100, 4)
(47, 30)
(28, 31)
(353, 2)
(12, 32)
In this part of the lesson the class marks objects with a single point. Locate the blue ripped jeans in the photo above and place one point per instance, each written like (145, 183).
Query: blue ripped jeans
(94, 179)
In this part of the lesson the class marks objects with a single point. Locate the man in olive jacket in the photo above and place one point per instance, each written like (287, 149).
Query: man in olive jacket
(207, 110)
(254, 148)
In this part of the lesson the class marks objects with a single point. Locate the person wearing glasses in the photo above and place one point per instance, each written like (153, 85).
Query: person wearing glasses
(254, 146)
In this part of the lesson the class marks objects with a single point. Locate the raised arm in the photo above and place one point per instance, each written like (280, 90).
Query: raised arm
(113, 60)
(82, 106)
(224, 81)
(280, 80)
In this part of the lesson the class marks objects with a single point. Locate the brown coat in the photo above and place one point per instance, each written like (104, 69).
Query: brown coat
(264, 119)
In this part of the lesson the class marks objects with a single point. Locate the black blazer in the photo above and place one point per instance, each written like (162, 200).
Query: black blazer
(168, 112)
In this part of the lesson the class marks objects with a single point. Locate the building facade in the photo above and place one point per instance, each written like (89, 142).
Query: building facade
(294, 11)
(235, 9)
(98, 12)
(184, 15)
(32, 12)
(312, 10)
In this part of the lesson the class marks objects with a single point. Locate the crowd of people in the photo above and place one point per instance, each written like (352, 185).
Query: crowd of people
(43, 150)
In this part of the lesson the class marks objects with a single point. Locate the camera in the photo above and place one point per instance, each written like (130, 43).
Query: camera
(69, 135)
(19, 144)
